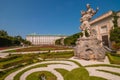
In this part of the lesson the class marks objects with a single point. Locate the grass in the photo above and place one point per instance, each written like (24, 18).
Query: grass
(36, 76)
(57, 55)
(77, 74)
(118, 74)
(20, 73)
(23, 58)
(108, 65)
(6, 73)
(62, 71)
(96, 78)
(75, 63)
(10, 61)
(114, 59)
(36, 66)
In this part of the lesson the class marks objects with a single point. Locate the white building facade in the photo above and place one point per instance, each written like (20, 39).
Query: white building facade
(37, 39)
(103, 25)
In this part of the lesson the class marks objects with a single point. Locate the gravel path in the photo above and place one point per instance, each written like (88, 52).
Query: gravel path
(93, 72)
(71, 66)
(50, 68)
(90, 62)
(58, 75)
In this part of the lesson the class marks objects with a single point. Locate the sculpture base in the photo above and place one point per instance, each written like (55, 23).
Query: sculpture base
(89, 48)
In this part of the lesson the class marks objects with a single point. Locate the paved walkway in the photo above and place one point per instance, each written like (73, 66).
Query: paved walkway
(50, 67)
(5, 54)
(93, 71)
(90, 62)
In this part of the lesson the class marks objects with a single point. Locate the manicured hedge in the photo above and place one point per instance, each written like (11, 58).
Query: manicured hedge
(9, 58)
(16, 60)
(114, 58)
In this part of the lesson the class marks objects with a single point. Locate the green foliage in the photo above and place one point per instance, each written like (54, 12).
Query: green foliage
(77, 74)
(114, 73)
(62, 71)
(3, 33)
(96, 78)
(114, 58)
(69, 41)
(115, 35)
(56, 55)
(104, 65)
(9, 58)
(36, 76)
(58, 42)
(115, 19)
(6, 40)
(15, 60)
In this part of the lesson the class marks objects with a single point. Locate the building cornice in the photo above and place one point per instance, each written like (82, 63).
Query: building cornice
(59, 35)
(102, 17)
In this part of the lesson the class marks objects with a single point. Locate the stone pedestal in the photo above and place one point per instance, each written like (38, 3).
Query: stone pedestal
(89, 48)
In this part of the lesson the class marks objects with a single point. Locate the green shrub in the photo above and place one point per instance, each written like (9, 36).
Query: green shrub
(9, 58)
(77, 74)
(114, 58)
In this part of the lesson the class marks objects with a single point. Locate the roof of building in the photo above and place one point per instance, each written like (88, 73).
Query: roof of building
(34, 34)
(109, 13)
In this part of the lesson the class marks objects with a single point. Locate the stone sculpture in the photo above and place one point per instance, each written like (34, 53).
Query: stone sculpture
(85, 19)
(88, 48)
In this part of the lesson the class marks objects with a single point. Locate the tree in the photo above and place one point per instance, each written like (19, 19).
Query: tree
(58, 42)
(115, 33)
(6, 40)
(3, 33)
(71, 40)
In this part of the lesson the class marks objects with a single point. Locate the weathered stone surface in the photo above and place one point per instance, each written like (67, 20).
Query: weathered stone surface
(89, 48)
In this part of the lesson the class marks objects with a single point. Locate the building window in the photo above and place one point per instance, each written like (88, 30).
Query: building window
(104, 29)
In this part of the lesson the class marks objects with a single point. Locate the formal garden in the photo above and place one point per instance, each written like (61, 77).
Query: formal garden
(56, 66)
(27, 62)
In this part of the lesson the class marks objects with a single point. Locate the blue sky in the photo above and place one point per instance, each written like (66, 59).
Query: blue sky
(22, 17)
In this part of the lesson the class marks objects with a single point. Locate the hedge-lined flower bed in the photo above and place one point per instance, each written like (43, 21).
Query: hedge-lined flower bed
(39, 48)
(19, 59)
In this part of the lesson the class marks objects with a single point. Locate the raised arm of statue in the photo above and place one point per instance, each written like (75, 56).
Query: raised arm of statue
(94, 12)
(83, 13)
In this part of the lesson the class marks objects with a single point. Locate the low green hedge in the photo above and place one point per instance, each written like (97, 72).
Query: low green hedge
(9, 58)
(56, 55)
(114, 58)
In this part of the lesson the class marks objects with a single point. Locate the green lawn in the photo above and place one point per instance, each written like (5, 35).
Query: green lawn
(106, 65)
(114, 73)
(114, 58)
(78, 74)
(36, 76)
(36, 66)
(57, 55)
(23, 58)
(62, 71)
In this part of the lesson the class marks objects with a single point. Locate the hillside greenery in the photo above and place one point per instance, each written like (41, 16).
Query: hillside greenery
(70, 40)
(6, 40)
